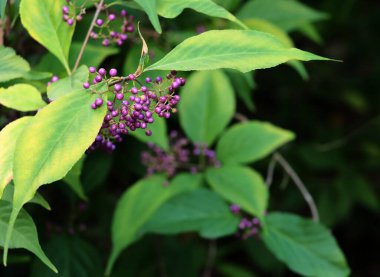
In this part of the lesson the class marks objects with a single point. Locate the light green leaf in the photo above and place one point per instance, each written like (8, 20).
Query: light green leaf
(3, 4)
(36, 75)
(150, 7)
(240, 185)
(207, 105)
(201, 210)
(21, 97)
(138, 204)
(306, 247)
(47, 27)
(24, 234)
(12, 66)
(250, 141)
(74, 258)
(243, 50)
(172, 8)
(37, 198)
(286, 14)
(159, 133)
(8, 138)
(53, 142)
(73, 179)
(69, 84)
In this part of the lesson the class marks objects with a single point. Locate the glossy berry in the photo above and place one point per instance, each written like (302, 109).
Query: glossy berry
(99, 102)
(99, 22)
(111, 17)
(86, 85)
(113, 72)
(92, 69)
(102, 71)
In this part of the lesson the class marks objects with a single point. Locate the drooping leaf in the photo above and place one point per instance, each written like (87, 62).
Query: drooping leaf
(240, 185)
(244, 50)
(21, 97)
(173, 8)
(47, 27)
(8, 138)
(159, 133)
(53, 142)
(286, 14)
(75, 257)
(250, 141)
(73, 179)
(69, 84)
(12, 66)
(207, 105)
(138, 204)
(306, 247)
(24, 234)
(150, 7)
(37, 198)
(201, 210)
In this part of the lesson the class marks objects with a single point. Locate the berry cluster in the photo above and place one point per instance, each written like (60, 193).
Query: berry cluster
(71, 12)
(109, 31)
(53, 80)
(247, 227)
(180, 157)
(132, 105)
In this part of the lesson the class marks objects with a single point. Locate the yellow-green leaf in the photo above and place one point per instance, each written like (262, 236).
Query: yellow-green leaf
(43, 20)
(21, 97)
(12, 66)
(8, 138)
(243, 50)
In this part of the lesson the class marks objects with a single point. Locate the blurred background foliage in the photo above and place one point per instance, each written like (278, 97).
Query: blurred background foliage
(335, 115)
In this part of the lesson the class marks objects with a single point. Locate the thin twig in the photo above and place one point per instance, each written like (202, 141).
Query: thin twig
(270, 173)
(211, 257)
(98, 9)
(300, 185)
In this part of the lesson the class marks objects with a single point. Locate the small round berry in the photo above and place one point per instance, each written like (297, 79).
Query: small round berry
(123, 37)
(113, 72)
(99, 102)
(102, 71)
(109, 103)
(118, 87)
(86, 85)
(79, 17)
(99, 22)
(70, 21)
(93, 106)
(65, 9)
(144, 89)
(138, 107)
(158, 79)
(119, 96)
(111, 17)
(94, 35)
(131, 77)
(148, 133)
(98, 78)
(106, 42)
(148, 80)
(114, 113)
(134, 90)
(123, 12)
(54, 79)
(92, 69)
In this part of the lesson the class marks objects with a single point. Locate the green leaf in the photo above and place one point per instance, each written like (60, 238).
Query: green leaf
(207, 105)
(69, 84)
(240, 185)
(3, 4)
(21, 97)
(24, 234)
(73, 179)
(306, 247)
(286, 14)
(138, 204)
(311, 32)
(243, 86)
(201, 210)
(8, 138)
(244, 50)
(172, 8)
(36, 75)
(37, 198)
(150, 7)
(12, 66)
(53, 142)
(47, 27)
(159, 133)
(75, 257)
(257, 139)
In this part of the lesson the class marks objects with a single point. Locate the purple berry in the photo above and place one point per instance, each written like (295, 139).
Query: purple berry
(65, 9)
(54, 79)
(99, 22)
(98, 78)
(92, 69)
(93, 106)
(117, 87)
(113, 72)
(86, 85)
(148, 80)
(99, 102)
(102, 71)
(123, 12)
(148, 133)
(134, 90)
(111, 17)
(158, 79)
(119, 96)
(106, 42)
(70, 21)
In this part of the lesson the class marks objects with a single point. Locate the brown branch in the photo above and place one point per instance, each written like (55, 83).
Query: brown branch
(2, 32)
(98, 9)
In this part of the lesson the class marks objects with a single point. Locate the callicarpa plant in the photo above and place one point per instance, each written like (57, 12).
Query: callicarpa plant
(128, 109)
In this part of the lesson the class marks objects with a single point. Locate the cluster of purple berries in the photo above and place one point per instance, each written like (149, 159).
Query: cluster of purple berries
(71, 12)
(132, 105)
(108, 32)
(53, 80)
(247, 227)
(180, 157)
